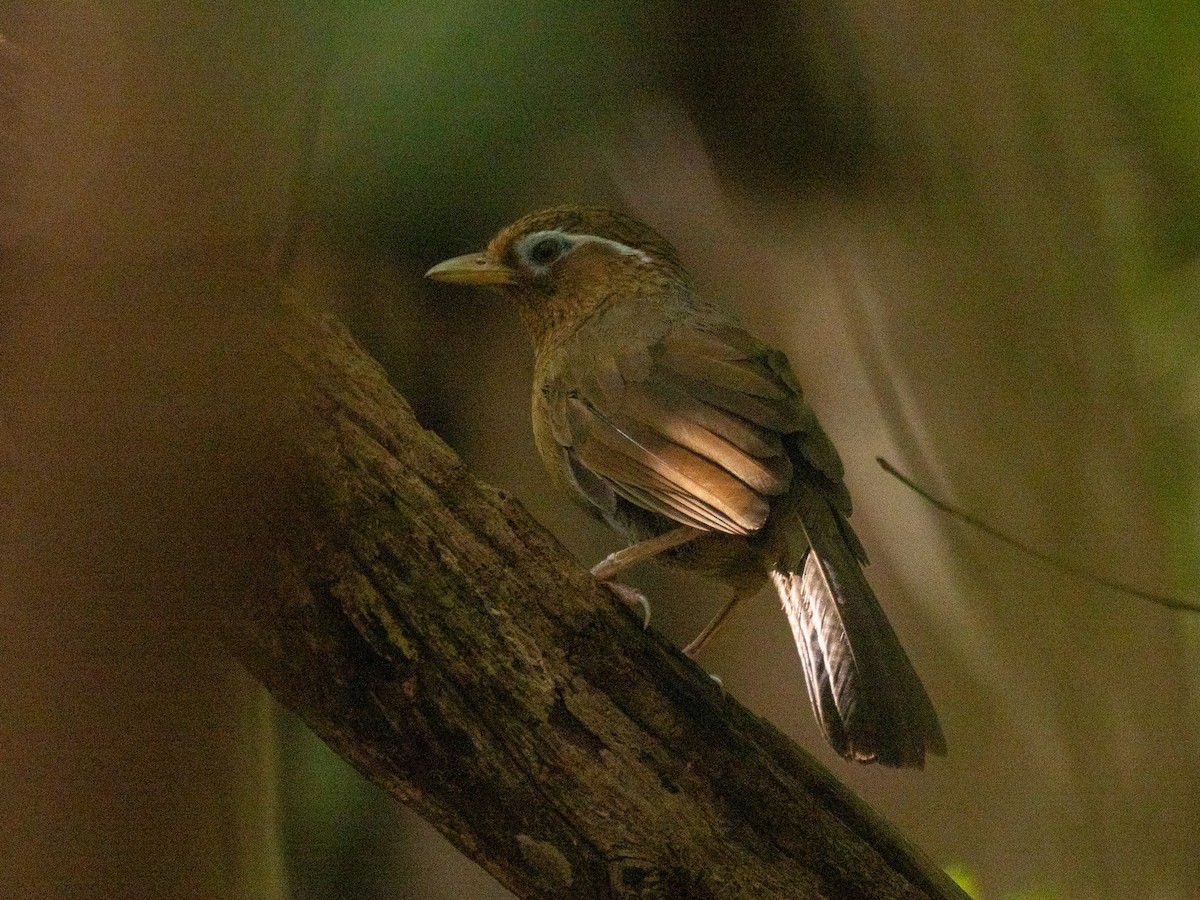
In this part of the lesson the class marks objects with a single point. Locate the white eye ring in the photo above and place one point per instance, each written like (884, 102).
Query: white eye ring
(547, 248)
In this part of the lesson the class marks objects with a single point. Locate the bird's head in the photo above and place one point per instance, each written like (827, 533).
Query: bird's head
(559, 265)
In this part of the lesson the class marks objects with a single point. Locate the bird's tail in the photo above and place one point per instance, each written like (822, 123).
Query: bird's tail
(864, 691)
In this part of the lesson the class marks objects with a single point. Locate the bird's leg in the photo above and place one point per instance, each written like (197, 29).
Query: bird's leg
(616, 563)
(718, 620)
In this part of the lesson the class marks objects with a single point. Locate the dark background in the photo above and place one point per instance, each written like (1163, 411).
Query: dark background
(973, 228)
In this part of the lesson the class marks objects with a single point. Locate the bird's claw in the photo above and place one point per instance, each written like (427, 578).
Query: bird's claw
(632, 598)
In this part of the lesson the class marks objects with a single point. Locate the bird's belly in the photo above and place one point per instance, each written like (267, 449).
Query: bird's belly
(726, 557)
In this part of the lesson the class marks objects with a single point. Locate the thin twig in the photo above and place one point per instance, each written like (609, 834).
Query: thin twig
(1052, 561)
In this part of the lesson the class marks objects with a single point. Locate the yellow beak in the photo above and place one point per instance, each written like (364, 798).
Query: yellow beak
(472, 268)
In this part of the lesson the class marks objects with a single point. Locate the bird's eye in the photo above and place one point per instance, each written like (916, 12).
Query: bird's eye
(547, 249)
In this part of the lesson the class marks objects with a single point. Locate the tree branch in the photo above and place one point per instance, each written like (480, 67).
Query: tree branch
(442, 641)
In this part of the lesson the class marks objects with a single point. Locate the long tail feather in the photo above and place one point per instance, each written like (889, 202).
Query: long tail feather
(864, 691)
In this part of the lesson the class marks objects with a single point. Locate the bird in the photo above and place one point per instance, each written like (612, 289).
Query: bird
(691, 438)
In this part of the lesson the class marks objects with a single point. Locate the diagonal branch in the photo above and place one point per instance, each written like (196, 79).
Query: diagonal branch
(438, 638)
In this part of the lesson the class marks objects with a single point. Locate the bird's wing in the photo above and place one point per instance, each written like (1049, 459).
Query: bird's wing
(688, 423)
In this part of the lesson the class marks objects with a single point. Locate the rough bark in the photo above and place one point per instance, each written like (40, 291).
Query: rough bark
(448, 646)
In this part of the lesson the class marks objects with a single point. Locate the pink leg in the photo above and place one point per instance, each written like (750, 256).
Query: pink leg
(717, 621)
(616, 563)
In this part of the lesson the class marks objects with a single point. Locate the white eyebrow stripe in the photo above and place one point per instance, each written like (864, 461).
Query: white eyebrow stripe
(624, 249)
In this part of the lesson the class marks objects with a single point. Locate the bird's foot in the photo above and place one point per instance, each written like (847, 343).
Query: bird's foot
(631, 597)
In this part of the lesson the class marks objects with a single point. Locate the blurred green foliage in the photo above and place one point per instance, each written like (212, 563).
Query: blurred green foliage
(335, 826)
(441, 113)
(1152, 57)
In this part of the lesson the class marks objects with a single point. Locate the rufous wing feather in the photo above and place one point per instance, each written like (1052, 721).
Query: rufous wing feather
(645, 423)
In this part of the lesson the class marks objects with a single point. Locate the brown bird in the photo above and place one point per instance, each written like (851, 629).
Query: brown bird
(692, 439)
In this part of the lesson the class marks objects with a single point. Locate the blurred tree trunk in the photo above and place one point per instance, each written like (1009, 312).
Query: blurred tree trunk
(147, 161)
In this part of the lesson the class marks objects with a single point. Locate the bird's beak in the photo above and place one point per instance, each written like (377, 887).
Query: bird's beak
(473, 268)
